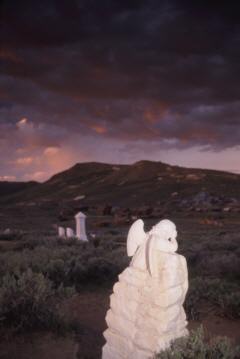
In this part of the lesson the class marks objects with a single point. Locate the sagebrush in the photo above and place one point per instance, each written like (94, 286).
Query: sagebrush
(196, 346)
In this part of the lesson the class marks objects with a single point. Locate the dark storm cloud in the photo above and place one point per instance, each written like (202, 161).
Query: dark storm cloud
(160, 71)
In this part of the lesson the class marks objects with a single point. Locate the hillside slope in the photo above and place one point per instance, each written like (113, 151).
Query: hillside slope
(9, 188)
(144, 182)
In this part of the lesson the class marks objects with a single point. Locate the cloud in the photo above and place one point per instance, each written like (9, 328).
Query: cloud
(38, 176)
(99, 129)
(83, 76)
(24, 161)
(51, 151)
(8, 178)
(24, 125)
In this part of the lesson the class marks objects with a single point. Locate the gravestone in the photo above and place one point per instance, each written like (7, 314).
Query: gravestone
(70, 233)
(61, 232)
(146, 308)
(80, 226)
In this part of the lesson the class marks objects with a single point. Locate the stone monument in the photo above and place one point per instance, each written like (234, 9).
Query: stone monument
(80, 226)
(70, 233)
(61, 232)
(146, 308)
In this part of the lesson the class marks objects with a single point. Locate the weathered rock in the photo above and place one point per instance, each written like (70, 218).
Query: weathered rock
(205, 202)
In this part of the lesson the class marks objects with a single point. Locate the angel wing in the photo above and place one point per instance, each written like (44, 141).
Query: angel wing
(136, 236)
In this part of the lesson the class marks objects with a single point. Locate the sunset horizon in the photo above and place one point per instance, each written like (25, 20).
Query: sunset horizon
(110, 82)
(14, 179)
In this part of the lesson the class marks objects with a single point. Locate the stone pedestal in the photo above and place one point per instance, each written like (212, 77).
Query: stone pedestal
(80, 226)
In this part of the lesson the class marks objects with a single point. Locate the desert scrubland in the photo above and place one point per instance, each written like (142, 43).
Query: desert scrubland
(54, 293)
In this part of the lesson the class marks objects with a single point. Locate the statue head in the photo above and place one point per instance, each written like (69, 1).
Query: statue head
(164, 235)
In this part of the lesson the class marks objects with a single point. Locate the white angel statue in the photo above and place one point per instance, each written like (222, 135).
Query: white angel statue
(146, 308)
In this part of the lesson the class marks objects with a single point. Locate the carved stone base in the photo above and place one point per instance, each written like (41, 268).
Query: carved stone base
(144, 315)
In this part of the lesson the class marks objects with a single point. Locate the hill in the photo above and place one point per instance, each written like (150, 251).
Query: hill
(144, 182)
(9, 188)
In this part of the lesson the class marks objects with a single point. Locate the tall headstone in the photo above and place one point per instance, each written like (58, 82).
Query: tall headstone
(61, 232)
(70, 233)
(80, 226)
(146, 308)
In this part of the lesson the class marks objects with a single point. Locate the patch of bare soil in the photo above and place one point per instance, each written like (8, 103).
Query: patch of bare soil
(88, 309)
(218, 326)
(38, 346)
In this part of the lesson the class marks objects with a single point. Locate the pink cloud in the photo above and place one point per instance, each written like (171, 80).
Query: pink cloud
(24, 161)
(51, 151)
(8, 178)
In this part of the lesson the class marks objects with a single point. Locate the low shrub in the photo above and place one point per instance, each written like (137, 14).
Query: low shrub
(230, 304)
(213, 255)
(195, 346)
(29, 301)
(71, 263)
(11, 236)
(220, 264)
(225, 296)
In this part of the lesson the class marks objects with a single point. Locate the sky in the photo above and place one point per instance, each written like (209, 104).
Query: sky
(118, 82)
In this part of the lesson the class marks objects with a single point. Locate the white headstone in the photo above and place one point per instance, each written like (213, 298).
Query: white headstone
(146, 308)
(80, 226)
(70, 233)
(61, 232)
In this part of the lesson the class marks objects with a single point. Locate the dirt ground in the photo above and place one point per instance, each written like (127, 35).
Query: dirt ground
(89, 309)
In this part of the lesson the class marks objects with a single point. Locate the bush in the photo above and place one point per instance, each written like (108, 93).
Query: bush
(195, 346)
(222, 294)
(212, 255)
(29, 301)
(220, 264)
(230, 304)
(69, 263)
(11, 236)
